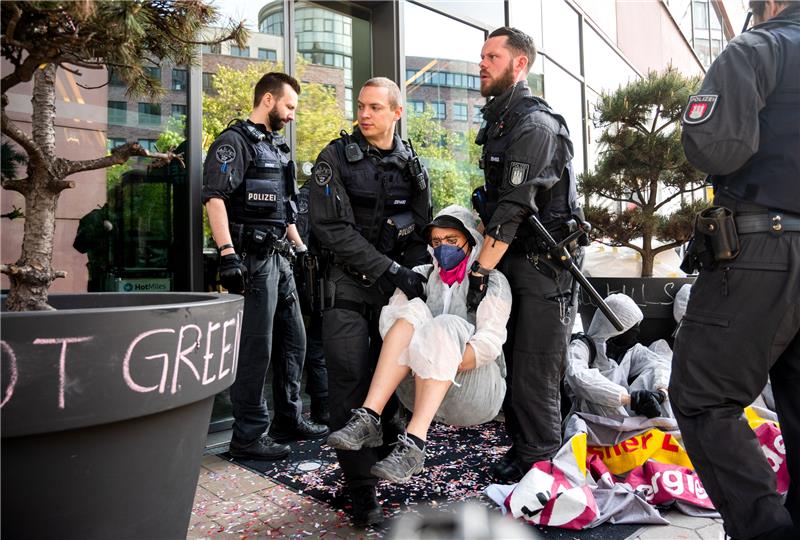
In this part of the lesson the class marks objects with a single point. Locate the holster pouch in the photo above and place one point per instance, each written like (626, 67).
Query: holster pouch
(396, 231)
(715, 239)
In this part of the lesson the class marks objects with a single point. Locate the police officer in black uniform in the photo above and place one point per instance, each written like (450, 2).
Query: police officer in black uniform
(369, 200)
(249, 191)
(526, 162)
(742, 322)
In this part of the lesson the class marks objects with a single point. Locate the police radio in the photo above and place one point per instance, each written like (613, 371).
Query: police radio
(352, 152)
(415, 169)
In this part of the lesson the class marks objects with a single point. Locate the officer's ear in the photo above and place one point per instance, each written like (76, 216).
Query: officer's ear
(521, 64)
(398, 112)
(268, 100)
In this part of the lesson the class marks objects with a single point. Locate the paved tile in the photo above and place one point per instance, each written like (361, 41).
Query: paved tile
(233, 482)
(712, 532)
(668, 532)
(215, 463)
(203, 497)
(677, 519)
(201, 529)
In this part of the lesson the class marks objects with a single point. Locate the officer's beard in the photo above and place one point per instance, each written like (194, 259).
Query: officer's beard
(502, 84)
(276, 123)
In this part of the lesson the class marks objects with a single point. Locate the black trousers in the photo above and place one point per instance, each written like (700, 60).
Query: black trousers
(290, 351)
(316, 368)
(535, 352)
(742, 323)
(352, 346)
(268, 276)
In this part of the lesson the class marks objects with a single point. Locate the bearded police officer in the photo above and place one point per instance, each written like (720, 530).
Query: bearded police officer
(249, 191)
(369, 200)
(526, 162)
(742, 322)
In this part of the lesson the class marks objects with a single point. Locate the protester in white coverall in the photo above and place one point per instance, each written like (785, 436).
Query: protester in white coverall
(445, 363)
(609, 373)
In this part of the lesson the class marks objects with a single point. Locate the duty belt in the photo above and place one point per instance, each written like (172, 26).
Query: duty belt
(259, 241)
(772, 222)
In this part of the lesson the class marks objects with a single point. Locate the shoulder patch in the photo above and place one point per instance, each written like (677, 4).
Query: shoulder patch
(700, 108)
(517, 172)
(225, 153)
(322, 173)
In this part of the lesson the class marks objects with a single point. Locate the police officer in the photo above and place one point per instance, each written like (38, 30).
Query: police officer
(369, 200)
(742, 322)
(526, 162)
(249, 189)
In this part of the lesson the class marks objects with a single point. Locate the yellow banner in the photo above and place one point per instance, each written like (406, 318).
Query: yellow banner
(630, 453)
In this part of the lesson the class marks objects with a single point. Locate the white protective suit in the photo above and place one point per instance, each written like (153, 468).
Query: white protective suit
(598, 384)
(442, 329)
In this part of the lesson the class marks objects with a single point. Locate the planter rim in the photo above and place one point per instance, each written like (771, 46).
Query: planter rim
(160, 300)
(73, 368)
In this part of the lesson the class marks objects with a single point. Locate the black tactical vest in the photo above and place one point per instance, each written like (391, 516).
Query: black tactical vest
(556, 204)
(771, 177)
(380, 193)
(264, 196)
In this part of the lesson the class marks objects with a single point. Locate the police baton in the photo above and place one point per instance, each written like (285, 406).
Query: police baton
(559, 254)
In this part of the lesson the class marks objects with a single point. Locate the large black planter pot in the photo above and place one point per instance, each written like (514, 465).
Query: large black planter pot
(654, 295)
(105, 409)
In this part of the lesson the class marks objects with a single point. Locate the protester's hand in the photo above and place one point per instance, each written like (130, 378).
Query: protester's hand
(647, 402)
(232, 273)
(477, 290)
(406, 280)
(467, 359)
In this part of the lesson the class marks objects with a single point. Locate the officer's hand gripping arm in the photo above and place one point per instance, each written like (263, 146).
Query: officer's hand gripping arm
(408, 281)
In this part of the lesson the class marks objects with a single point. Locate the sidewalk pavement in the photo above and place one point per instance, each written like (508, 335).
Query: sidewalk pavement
(233, 502)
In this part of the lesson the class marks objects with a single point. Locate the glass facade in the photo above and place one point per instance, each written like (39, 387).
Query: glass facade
(331, 50)
(441, 85)
(700, 21)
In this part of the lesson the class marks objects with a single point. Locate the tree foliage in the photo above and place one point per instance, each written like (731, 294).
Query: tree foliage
(449, 157)
(319, 115)
(642, 167)
(40, 37)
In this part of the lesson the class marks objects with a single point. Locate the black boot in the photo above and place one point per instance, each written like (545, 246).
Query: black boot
(302, 431)
(263, 448)
(319, 411)
(366, 509)
(507, 469)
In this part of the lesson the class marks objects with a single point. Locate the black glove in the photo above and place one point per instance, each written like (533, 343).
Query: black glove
(300, 258)
(232, 273)
(406, 280)
(647, 402)
(477, 290)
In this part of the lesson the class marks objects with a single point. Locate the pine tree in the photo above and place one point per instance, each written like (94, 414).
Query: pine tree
(40, 37)
(642, 166)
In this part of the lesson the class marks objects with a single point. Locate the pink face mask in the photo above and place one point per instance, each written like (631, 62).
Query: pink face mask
(455, 274)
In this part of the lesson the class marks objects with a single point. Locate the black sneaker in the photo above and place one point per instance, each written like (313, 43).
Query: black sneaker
(361, 431)
(304, 430)
(261, 449)
(366, 509)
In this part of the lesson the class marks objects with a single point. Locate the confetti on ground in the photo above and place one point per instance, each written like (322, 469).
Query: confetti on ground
(456, 469)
